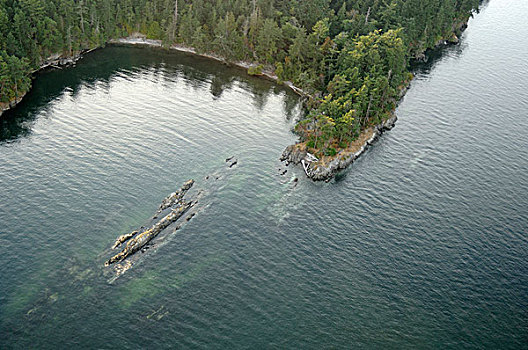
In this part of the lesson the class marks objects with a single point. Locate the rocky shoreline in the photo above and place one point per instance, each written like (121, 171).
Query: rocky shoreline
(140, 40)
(327, 167)
(57, 61)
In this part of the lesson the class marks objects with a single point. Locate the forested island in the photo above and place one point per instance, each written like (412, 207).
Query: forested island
(350, 58)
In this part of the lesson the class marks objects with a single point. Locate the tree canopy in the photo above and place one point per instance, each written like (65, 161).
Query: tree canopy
(351, 56)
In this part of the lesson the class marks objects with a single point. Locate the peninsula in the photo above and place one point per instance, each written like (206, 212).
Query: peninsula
(349, 58)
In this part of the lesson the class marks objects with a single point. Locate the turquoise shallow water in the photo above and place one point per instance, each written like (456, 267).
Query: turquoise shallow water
(422, 243)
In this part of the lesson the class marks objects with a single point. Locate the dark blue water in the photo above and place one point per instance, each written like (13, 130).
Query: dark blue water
(422, 243)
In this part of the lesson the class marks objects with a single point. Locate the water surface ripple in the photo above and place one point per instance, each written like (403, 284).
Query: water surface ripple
(422, 243)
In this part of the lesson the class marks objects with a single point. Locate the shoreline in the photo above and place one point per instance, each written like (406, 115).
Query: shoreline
(55, 61)
(266, 73)
(58, 61)
(328, 167)
(323, 169)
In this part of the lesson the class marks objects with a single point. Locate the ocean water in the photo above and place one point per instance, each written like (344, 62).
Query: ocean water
(421, 243)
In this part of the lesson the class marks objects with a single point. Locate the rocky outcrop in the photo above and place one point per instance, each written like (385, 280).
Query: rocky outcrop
(453, 39)
(8, 105)
(137, 240)
(175, 211)
(175, 197)
(294, 153)
(327, 167)
(58, 61)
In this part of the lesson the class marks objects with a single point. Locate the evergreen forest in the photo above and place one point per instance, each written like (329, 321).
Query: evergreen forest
(351, 57)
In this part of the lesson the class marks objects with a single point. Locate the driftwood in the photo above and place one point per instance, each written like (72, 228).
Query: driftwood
(311, 158)
(305, 167)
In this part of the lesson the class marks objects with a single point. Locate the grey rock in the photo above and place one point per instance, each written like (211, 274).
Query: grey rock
(317, 172)
(292, 154)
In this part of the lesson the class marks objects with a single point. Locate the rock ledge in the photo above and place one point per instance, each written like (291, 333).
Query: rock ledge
(327, 167)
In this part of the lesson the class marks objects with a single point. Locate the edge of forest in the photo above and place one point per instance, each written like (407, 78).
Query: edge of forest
(317, 169)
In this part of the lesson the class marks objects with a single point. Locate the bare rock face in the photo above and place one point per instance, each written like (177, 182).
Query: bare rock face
(319, 171)
(294, 154)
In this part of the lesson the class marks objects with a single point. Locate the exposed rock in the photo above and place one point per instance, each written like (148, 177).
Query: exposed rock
(175, 197)
(138, 240)
(294, 154)
(123, 238)
(325, 169)
(453, 39)
(143, 238)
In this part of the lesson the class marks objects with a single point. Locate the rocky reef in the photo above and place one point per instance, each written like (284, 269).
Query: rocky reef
(328, 166)
(174, 211)
(138, 239)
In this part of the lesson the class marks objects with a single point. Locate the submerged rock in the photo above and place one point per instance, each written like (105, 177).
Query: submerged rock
(138, 240)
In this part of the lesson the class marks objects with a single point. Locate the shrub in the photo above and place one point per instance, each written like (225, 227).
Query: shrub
(330, 151)
(255, 70)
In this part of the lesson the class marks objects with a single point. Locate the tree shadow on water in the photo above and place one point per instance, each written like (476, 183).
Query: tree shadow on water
(98, 69)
